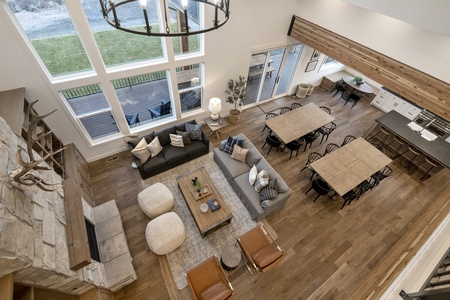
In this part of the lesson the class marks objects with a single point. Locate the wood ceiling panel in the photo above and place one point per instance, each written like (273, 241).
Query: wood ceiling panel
(417, 86)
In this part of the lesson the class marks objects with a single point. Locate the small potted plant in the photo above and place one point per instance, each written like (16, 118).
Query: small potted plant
(358, 80)
(236, 96)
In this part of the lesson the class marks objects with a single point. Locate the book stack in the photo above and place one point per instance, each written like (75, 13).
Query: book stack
(213, 204)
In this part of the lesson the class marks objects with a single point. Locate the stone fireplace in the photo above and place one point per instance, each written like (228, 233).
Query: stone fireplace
(33, 239)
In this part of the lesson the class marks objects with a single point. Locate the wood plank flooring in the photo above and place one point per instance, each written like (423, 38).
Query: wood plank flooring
(333, 253)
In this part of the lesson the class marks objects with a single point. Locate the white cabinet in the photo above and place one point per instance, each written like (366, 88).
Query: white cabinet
(387, 101)
(412, 112)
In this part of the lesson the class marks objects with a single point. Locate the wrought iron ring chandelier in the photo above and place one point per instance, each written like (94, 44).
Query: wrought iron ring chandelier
(113, 10)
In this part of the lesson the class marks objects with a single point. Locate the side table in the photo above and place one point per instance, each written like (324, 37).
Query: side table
(216, 125)
(231, 257)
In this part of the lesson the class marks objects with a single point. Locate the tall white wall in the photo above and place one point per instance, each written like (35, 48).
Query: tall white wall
(414, 46)
(253, 25)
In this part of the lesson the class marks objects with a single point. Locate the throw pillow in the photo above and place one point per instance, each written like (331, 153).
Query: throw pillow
(252, 175)
(186, 137)
(262, 180)
(239, 153)
(176, 140)
(195, 130)
(269, 192)
(155, 147)
(141, 151)
(229, 145)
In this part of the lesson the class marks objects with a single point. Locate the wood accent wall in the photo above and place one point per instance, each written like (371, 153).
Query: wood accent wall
(77, 239)
(422, 89)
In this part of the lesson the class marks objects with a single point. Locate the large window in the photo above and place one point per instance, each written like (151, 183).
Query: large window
(92, 110)
(49, 28)
(118, 47)
(144, 96)
(190, 87)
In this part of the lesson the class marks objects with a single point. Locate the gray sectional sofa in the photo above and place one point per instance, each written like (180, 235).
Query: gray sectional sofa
(237, 174)
(170, 156)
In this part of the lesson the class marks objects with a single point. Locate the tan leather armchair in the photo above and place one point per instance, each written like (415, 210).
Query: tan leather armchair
(208, 281)
(260, 249)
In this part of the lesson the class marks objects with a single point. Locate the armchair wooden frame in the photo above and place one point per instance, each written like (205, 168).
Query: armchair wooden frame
(207, 274)
(256, 239)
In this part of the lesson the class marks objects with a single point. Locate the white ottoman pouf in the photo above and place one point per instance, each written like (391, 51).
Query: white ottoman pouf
(165, 233)
(155, 200)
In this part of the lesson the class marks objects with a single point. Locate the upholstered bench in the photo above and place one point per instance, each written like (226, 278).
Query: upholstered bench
(165, 233)
(155, 200)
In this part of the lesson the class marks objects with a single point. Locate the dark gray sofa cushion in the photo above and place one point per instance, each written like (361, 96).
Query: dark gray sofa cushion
(163, 135)
(173, 154)
(133, 142)
(194, 147)
(154, 163)
(182, 126)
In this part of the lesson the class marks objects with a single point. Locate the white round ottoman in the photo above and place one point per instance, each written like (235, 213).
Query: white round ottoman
(155, 200)
(165, 233)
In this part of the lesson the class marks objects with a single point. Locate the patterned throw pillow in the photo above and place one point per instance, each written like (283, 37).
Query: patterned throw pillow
(262, 180)
(176, 140)
(195, 130)
(229, 145)
(270, 192)
(141, 151)
(252, 175)
(186, 137)
(155, 147)
(239, 153)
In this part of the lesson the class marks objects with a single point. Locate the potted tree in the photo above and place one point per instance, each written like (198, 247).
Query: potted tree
(236, 96)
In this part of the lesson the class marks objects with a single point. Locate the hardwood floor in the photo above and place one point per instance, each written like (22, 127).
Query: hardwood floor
(333, 253)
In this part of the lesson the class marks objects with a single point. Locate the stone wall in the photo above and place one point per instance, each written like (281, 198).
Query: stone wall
(33, 240)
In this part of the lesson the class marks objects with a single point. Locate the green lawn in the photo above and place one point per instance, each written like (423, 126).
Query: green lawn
(65, 54)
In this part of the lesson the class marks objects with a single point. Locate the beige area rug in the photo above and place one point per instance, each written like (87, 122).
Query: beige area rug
(195, 249)
(269, 106)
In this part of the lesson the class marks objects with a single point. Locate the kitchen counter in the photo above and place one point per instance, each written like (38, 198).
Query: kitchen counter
(438, 149)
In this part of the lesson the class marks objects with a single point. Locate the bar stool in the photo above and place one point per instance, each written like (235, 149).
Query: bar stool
(414, 154)
(432, 164)
(400, 143)
(385, 134)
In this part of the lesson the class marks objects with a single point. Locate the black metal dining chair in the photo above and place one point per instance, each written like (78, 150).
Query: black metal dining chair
(294, 146)
(354, 194)
(284, 110)
(312, 157)
(295, 105)
(325, 109)
(310, 138)
(268, 116)
(340, 86)
(382, 174)
(348, 139)
(273, 142)
(320, 186)
(330, 148)
(326, 130)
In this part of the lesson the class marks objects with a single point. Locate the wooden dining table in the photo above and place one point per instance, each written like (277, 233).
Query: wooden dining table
(363, 88)
(345, 168)
(298, 122)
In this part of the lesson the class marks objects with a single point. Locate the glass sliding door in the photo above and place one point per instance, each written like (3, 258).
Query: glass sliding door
(270, 73)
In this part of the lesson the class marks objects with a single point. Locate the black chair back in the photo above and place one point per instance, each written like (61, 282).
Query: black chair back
(284, 110)
(348, 139)
(330, 148)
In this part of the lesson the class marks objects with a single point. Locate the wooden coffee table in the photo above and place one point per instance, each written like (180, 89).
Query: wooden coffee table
(211, 220)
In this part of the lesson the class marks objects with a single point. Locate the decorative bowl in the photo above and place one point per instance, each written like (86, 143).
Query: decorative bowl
(204, 208)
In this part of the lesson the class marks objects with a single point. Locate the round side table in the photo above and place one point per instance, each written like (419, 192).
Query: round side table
(230, 258)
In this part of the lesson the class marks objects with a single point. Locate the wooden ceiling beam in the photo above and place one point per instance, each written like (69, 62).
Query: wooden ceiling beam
(415, 85)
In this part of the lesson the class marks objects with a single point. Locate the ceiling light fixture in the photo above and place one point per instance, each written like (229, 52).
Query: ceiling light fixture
(117, 14)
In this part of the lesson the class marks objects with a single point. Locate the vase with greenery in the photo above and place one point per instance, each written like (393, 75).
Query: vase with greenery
(236, 95)
(358, 80)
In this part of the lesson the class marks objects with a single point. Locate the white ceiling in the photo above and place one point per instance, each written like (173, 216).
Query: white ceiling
(433, 15)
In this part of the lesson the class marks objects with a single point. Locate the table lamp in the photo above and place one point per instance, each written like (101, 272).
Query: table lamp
(215, 106)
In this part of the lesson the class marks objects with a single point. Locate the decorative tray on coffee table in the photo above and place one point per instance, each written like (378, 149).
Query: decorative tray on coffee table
(204, 191)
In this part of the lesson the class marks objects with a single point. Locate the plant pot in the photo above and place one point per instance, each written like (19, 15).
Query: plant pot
(235, 115)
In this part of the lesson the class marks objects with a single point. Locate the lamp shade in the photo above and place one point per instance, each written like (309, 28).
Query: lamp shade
(215, 106)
